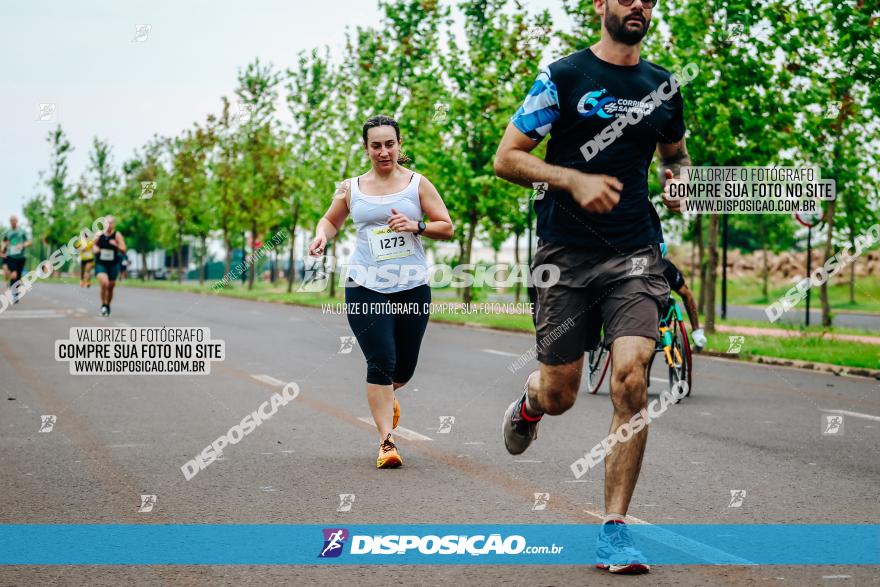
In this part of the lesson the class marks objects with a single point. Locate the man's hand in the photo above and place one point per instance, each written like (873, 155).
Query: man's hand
(673, 203)
(699, 339)
(595, 193)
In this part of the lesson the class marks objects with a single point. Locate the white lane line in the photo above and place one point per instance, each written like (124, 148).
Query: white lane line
(475, 443)
(527, 461)
(268, 379)
(21, 316)
(501, 353)
(854, 414)
(660, 379)
(124, 324)
(400, 431)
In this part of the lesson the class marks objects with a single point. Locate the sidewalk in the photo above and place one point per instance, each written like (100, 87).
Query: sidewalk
(754, 331)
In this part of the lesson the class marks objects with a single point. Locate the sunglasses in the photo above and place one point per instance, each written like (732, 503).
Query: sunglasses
(649, 4)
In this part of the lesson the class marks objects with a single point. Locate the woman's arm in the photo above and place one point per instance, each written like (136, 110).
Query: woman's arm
(439, 225)
(329, 225)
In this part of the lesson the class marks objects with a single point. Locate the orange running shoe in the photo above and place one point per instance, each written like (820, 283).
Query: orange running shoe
(396, 415)
(389, 458)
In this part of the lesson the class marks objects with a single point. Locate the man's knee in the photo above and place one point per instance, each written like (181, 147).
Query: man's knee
(559, 388)
(629, 388)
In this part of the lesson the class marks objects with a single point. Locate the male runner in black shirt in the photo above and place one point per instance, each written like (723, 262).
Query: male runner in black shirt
(598, 226)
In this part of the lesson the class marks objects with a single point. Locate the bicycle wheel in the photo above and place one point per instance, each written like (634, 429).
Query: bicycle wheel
(680, 370)
(686, 345)
(598, 362)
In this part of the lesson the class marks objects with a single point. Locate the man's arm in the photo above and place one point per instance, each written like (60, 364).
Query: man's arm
(690, 305)
(673, 156)
(515, 163)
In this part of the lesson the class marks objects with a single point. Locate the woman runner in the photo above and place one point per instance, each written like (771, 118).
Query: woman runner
(388, 270)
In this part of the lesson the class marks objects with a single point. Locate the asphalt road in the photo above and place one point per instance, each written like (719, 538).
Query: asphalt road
(797, 315)
(746, 426)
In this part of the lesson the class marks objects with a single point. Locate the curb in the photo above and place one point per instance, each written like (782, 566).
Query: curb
(805, 365)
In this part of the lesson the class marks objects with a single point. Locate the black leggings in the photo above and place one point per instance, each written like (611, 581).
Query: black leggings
(389, 334)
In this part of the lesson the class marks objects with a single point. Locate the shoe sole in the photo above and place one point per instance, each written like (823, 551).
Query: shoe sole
(390, 463)
(635, 569)
(507, 415)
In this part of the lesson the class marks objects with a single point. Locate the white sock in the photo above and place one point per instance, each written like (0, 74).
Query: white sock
(613, 517)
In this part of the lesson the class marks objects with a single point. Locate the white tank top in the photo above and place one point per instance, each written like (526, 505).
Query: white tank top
(384, 260)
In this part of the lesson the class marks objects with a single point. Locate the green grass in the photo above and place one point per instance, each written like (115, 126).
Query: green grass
(804, 348)
(746, 291)
(810, 349)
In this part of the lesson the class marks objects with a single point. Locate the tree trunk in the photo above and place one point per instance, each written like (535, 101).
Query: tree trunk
(466, 294)
(331, 270)
(823, 290)
(711, 272)
(227, 261)
(292, 256)
(252, 270)
(701, 258)
(518, 286)
(852, 269)
(143, 266)
(203, 266)
(765, 269)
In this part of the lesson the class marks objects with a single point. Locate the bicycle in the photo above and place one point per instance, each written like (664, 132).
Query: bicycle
(673, 344)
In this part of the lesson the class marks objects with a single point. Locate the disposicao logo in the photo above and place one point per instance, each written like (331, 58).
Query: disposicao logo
(334, 540)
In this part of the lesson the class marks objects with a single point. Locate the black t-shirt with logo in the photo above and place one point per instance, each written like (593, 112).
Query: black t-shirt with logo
(573, 101)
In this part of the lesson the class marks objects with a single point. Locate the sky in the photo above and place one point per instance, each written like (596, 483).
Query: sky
(107, 80)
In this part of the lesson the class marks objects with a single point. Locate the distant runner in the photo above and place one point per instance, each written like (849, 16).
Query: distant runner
(388, 268)
(15, 241)
(108, 248)
(86, 262)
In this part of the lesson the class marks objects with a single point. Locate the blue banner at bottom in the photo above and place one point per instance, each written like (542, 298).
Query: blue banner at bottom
(418, 544)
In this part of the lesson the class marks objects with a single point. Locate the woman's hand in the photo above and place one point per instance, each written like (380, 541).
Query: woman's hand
(317, 246)
(400, 223)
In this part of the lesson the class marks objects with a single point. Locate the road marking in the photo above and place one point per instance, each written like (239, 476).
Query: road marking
(31, 314)
(269, 380)
(854, 414)
(527, 461)
(475, 443)
(660, 379)
(502, 353)
(400, 431)
(836, 576)
(124, 324)
(132, 445)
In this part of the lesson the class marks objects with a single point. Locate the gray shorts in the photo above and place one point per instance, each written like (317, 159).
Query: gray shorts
(622, 292)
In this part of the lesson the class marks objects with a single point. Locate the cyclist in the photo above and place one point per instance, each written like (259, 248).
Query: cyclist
(388, 268)
(677, 284)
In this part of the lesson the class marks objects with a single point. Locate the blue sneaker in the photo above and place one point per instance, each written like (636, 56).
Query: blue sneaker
(616, 552)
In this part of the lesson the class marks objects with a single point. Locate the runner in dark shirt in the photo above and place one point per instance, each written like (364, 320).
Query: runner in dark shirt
(606, 111)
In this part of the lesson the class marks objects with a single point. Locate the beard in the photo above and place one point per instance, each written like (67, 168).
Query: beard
(621, 32)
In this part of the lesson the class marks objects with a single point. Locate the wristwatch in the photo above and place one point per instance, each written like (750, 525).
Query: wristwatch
(422, 227)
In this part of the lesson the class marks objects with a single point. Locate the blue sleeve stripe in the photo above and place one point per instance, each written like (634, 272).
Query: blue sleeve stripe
(540, 109)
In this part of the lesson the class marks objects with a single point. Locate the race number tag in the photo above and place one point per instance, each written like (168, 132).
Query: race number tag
(16, 249)
(107, 254)
(386, 244)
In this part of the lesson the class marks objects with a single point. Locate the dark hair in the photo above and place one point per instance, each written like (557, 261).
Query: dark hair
(382, 120)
